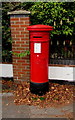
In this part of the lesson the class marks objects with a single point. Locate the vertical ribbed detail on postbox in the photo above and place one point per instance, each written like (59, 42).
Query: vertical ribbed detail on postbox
(19, 21)
(39, 49)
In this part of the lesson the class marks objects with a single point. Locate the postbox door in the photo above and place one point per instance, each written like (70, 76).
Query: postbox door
(39, 60)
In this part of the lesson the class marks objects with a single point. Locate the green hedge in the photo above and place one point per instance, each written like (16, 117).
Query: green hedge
(48, 13)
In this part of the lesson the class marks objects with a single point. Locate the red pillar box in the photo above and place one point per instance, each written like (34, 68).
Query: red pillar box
(39, 51)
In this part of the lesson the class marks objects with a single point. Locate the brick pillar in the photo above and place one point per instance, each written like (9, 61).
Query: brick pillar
(19, 21)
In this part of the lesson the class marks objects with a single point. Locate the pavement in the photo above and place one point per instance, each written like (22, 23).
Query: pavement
(11, 110)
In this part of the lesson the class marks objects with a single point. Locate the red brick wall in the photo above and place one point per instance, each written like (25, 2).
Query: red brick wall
(20, 43)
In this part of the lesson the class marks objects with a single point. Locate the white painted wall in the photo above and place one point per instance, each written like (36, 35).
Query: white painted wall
(55, 73)
(6, 70)
(61, 73)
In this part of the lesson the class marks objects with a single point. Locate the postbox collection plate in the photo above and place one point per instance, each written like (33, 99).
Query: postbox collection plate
(37, 47)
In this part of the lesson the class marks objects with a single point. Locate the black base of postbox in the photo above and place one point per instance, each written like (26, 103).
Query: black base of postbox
(39, 88)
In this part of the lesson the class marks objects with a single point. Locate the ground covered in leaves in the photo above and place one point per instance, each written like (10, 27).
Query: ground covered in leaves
(8, 85)
(59, 94)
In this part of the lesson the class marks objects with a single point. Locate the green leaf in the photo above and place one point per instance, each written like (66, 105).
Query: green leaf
(23, 54)
(34, 98)
(56, 98)
(42, 98)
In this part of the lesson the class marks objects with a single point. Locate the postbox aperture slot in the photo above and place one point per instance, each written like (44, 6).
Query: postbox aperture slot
(37, 36)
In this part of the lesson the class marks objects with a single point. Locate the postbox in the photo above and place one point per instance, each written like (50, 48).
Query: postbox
(39, 52)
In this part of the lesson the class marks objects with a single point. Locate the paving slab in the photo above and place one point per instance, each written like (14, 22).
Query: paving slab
(35, 110)
(50, 112)
(10, 110)
(45, 111)
(6, 94)
(67, 108)
(0, 107)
